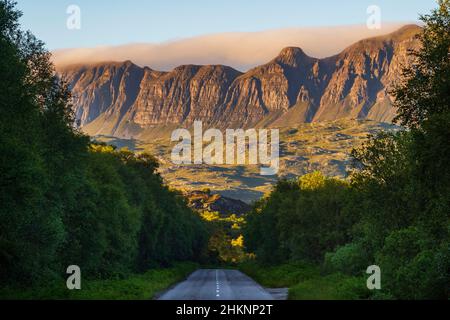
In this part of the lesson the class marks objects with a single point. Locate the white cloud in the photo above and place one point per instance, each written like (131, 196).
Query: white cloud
(241, 50)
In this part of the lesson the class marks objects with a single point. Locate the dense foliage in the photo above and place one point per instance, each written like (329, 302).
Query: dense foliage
(226, 243)
(66, 201)
(394, 210)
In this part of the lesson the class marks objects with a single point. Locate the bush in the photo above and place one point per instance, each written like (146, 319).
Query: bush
(349, 259)
(280, 276)
(331, 287)
(133, 287)
(411, 269)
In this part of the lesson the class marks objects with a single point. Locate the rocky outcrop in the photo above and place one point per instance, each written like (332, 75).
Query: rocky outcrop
(205, 201)
(122, 99)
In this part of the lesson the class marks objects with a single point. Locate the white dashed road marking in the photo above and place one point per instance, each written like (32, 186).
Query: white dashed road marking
(217, 284)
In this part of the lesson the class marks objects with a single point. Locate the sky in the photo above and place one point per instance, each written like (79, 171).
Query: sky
(109, 23)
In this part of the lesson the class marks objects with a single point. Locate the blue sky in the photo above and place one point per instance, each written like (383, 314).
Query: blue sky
(114, 22)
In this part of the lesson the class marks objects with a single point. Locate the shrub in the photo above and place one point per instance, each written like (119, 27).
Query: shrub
(349, 259)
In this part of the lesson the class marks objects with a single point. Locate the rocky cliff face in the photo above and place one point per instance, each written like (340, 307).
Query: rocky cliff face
(363, 75)
(123, 99)
(183, 95)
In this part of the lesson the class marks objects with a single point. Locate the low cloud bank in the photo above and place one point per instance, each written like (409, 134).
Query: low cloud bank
(240, 50)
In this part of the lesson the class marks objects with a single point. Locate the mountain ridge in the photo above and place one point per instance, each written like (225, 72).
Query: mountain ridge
(122, 99)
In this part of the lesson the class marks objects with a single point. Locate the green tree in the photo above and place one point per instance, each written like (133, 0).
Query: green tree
(30, 231)
(66, 201)
(425, 89)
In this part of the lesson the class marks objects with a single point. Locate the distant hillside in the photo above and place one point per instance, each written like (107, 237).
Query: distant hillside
(304, 148)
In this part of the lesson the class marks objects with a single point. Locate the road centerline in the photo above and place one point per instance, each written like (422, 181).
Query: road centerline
(217, 284)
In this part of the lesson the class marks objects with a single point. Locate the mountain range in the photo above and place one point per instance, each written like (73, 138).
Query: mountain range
(124, 100)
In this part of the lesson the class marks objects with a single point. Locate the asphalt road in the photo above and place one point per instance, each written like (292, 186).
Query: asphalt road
(217, 284)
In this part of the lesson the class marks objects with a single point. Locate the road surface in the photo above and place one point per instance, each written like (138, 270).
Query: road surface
(216, 284)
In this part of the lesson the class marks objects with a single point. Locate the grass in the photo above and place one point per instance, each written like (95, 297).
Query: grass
(280, 276)
(330, 287)
(135, 287)
(305, 281)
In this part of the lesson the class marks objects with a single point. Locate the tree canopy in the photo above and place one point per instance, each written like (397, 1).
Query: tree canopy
(394, 210)
(66, 200)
